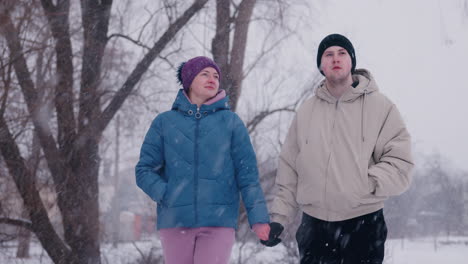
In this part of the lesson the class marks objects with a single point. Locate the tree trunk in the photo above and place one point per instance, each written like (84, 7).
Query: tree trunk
(24, 239)
(115, 200)
(81, 224)
(239, 44)
(220, 42)
(231, 61)
(26, 185)
(24, 234)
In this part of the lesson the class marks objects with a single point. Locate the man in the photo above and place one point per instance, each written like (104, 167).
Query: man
(346, 152)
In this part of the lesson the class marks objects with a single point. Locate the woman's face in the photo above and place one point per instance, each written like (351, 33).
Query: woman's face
(204, 86)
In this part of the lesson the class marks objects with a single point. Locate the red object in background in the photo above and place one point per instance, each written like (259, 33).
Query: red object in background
(137, 227)
(149, 224)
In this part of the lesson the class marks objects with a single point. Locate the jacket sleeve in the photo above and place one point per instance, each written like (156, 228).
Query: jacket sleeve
(391, 173)
(246, 171)
(284, 204)
(149, 167)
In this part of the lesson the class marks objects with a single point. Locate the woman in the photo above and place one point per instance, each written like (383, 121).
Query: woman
(194, 162)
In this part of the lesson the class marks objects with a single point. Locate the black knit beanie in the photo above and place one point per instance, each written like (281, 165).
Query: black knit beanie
(336, 40)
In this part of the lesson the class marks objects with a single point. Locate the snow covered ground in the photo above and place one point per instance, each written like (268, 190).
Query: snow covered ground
(453, 250)
(425, 251)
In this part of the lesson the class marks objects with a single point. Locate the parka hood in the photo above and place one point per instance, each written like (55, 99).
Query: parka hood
(219, 102)
(366, 85)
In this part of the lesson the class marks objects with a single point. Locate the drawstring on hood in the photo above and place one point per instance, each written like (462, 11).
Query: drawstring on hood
(363, 136)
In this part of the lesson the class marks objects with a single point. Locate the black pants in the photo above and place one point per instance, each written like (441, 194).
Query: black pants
(354, 241)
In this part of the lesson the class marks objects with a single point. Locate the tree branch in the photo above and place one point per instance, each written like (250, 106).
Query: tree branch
(220, 43)
(265, 51)
(257, 119)
(48, 5)
(26, 185)
(95, 18)
(6, 78)
(148, 21)
(17, 222)
(58, 22)
(239, 44)
(136, 42)
(99, 124)
(11, 35)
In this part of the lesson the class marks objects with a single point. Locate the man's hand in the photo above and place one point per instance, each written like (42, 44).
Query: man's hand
(275, 231)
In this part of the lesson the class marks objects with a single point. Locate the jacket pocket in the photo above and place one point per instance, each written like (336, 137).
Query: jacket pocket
(179, 192)
(218, 192)
(342, 200)
(310, 185)
(365, 194)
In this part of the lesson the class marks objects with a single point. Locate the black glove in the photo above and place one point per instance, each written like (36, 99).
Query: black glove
(275, 231)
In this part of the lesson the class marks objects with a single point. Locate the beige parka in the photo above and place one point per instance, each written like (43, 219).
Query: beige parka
(342, 158)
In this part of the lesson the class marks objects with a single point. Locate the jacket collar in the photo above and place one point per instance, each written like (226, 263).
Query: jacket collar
(366, 85)
(217, 103)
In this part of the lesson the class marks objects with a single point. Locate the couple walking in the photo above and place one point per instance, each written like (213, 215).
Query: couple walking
(346, 152)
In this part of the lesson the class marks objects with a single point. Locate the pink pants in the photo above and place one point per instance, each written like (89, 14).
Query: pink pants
(203, 245)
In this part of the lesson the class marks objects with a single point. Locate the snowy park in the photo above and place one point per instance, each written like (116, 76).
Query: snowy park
(82, 84)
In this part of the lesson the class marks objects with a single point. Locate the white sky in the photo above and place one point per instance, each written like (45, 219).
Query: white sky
(417, 51)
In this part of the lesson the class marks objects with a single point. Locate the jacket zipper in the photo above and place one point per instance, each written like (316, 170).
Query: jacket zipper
(329, 155)
(195, 175)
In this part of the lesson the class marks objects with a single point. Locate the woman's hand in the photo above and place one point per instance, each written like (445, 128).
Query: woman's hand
(273, 238)
(261, 230)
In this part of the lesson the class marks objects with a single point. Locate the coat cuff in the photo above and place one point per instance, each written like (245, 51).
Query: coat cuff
(282, 219)
(372, 185)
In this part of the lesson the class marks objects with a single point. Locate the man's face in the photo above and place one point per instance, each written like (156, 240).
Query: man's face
(336, 63)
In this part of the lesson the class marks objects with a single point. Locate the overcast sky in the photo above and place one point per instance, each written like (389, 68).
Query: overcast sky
(417, 51)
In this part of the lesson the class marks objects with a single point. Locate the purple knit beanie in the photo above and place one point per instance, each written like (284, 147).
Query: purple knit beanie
(188, 70)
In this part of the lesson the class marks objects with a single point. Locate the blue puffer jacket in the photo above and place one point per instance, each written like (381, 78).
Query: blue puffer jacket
(193, 163)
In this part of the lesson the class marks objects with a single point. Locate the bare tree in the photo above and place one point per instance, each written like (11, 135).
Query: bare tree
(433, 205)
(230, 42)
(445, 198)
(72, 150)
